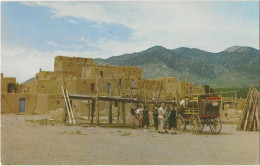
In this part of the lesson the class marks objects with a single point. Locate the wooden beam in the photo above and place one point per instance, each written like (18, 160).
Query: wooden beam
(92, 110)
(88, 109)
(97, 97)
(123, 113)
(118, 112)
(110, 112)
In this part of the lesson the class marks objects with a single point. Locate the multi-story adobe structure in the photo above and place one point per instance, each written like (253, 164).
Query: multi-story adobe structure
(82, 76)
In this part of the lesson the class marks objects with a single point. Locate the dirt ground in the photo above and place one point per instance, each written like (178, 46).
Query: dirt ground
(31, 140)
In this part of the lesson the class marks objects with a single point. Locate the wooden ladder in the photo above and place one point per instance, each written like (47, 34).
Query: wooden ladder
(68, 105)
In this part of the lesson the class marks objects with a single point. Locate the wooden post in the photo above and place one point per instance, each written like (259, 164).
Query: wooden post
(177, 98)
(118, 103)
(221, 105)
(118, 111)
(123, 113)
(88, 109)
(144, 94)
(92, 110)
(110, 112)
(97, 97)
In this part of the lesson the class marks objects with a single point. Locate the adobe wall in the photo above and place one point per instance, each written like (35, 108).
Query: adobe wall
(110, 71)
(28, 87)
(10, 102)
(47, 103)
(8, 80)
(48, 87)
(71, 65)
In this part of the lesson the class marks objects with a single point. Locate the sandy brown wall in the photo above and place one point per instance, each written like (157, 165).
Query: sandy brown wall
(10, 102)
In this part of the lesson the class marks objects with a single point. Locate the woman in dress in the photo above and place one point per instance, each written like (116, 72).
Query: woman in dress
(172, 119)
(145, 122)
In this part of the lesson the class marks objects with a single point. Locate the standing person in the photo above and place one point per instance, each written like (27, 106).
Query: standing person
(145, 122)
(160, 119)
(133, 116)
(166, 118)
(155, 117)
(172, 119)
(138, 115)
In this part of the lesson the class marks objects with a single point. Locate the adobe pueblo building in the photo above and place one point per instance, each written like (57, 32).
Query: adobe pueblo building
(83, 77)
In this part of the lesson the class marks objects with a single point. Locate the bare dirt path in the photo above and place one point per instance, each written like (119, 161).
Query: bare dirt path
(26, 142)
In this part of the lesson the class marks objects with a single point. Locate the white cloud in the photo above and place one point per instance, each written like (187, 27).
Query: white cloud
(73, 21)
(170, 24)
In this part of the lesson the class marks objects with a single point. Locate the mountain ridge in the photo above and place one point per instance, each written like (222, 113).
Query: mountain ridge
(234, 66)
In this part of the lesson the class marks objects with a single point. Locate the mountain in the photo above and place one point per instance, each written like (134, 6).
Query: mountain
(235, 66)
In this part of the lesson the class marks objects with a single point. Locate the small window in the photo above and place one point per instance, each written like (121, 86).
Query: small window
(58, 102)
(116, 104)
(9, 88)
(108, 87)
(42, 86)
(133, 84)
(101, 74)
(92, 87)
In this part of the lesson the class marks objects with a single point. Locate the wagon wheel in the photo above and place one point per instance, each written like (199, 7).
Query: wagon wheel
(216, 126)
(196, 124)
(180, 123)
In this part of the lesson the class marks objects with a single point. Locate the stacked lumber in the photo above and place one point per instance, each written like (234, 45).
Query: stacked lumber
(249, 120)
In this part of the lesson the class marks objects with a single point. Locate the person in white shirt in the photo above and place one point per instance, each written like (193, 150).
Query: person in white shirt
(182, 103)
(160, 119)
(138, 115)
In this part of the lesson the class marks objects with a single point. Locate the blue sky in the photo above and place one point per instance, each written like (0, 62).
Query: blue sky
(36, 32)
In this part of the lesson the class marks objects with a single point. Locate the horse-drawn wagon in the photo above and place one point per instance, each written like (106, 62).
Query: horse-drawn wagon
(199, 111)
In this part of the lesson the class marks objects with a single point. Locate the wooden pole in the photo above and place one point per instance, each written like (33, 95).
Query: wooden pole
(118, 111)
(88, 109)
(118, 103)
(93, 103)
(123, 113)
(110, 112)
(144, 94)
(97, 96)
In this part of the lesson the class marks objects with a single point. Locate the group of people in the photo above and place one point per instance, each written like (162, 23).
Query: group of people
(141, 115)
(164, 118)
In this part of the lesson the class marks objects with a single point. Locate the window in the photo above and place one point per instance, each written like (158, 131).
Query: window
(116, 104)
(9, 88)
(42, 86)
(101, 74)
(119, 82)
(108, 87)
(27, 89)
(58, 102)
(133, 84)
(92, 87)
